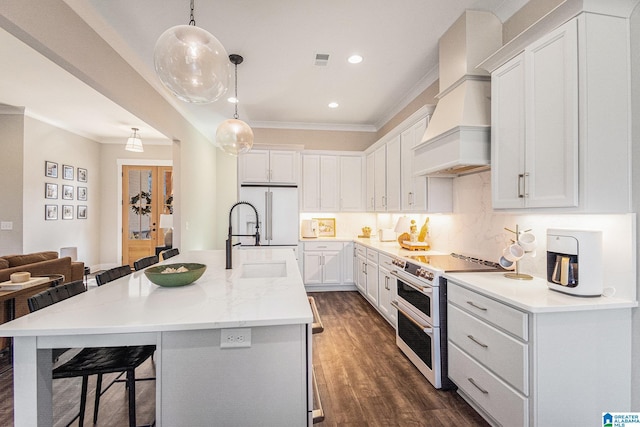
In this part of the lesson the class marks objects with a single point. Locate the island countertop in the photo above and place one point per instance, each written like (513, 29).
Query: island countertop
(219, 299)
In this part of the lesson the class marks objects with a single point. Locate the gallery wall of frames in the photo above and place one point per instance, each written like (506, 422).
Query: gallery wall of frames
(65, 192)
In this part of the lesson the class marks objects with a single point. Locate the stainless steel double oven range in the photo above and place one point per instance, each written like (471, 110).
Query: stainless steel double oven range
(421, 301)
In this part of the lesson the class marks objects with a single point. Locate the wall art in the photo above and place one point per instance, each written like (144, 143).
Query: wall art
(67, 172)
(50, 212)
(67, 192)
(82, 175)
(50, 190)
(326, 227)
(50, 169)
(82, 212)
(82, 193)
(67, 212)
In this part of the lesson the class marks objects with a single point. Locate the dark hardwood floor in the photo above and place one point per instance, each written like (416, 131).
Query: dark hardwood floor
(363, 378)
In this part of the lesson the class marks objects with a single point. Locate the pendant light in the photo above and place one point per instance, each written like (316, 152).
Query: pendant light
(235, 136)
(134, 143)
(192, 63)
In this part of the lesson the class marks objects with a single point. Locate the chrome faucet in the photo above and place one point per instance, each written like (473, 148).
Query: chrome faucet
(229, 245)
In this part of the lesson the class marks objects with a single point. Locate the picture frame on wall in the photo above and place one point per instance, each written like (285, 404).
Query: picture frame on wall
(82, 175)
(82, 193)
(50, 212)
(67, 192)
(67, 172)
(67, 212)
(82, 212)
(50, 169)
(50, 190)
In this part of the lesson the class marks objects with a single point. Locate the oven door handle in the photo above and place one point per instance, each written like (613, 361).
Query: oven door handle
(427, 330)
(423, 289)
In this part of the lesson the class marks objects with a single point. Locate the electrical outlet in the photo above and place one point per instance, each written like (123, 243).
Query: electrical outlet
(236, 337)
(6, 225)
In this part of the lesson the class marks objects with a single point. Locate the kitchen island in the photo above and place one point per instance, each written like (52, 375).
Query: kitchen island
(201, 377)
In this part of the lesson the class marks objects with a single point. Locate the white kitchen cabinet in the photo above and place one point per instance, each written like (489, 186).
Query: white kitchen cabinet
(371, 270)
(268, 166)
(322, 263)
(560, 122)
(421, 193)
(319, 183)
(370, 195)
(351, 184)
(535, 117)
(386, 289)
(360, 266)
(393, 176)
(516, 367)
(380, 179)
(348, 254)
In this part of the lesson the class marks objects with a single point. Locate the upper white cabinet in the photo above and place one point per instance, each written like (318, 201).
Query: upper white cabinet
(393, 175)
(380, 178)
(351, 183)
(370, 195)
(535, 124)
(319, 183)
(268, 166)
(414, 188)
(560, 120)
(332, 183)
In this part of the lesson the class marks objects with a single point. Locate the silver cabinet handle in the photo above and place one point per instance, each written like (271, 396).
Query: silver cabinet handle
(477, 342)
(472, 304)
(477, 386)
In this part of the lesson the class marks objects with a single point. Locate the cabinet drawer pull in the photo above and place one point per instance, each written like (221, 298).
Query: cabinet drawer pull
(474, 305)
(477, 386)
(477, 342)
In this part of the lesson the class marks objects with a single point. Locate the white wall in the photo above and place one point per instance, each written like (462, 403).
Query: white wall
(11, 175)
(44, 142)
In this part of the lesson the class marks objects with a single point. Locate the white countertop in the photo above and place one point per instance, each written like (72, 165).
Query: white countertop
(219, 299)
(533, 295)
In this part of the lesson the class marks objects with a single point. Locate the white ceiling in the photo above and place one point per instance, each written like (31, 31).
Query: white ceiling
(278, 83)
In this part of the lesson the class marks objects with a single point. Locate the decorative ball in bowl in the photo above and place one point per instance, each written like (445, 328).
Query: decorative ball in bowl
(172, 275)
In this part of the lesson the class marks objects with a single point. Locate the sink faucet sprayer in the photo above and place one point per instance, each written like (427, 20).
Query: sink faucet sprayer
(228, 242)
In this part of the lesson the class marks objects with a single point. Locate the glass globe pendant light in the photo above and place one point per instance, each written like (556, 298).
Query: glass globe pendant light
(192, 63)
(235, 136)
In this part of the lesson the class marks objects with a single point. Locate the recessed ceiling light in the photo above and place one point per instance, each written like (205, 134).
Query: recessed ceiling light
(355, 59)
(232, 99)
(333, 105)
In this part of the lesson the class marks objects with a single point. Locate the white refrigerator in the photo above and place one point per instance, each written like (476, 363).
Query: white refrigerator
(277, 214)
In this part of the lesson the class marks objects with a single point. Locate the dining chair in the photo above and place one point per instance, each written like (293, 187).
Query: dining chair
(169, 253)
(94, 360)
(144, 262)
(112, 274)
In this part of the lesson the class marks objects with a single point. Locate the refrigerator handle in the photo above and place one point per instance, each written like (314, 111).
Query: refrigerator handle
(268, 217)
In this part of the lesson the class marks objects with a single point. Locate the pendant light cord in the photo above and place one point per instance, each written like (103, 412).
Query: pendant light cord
(192, 20)
(235, 115)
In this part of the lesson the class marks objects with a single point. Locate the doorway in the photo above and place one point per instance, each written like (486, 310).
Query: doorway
(147, 193)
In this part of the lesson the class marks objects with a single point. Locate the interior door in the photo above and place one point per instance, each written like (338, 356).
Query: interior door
(147, 193)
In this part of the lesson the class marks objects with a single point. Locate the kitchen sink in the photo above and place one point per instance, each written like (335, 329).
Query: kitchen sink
(264, 270)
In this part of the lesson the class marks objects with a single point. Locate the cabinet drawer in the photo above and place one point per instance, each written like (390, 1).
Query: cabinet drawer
(372, 255)
(510, 319)
(502, 354)
(385, 261)
(323, 246)
(500, 401)
(361, 250)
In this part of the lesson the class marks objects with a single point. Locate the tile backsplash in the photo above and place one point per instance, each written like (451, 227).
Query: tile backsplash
(475, 229)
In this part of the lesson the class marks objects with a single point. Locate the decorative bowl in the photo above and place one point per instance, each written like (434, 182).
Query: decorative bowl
(178, 278)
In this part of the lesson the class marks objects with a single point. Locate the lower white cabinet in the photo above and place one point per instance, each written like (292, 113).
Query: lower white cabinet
(372, 276)
(360, 266)
(386, 289)
(328, 265)
(520, 368)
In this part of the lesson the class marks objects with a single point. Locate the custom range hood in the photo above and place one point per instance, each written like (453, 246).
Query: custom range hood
(457, 140)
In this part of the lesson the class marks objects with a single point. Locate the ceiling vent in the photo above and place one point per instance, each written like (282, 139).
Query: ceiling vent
(322, 59)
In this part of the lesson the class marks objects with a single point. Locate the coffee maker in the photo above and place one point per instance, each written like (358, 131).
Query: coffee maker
(574, 262)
